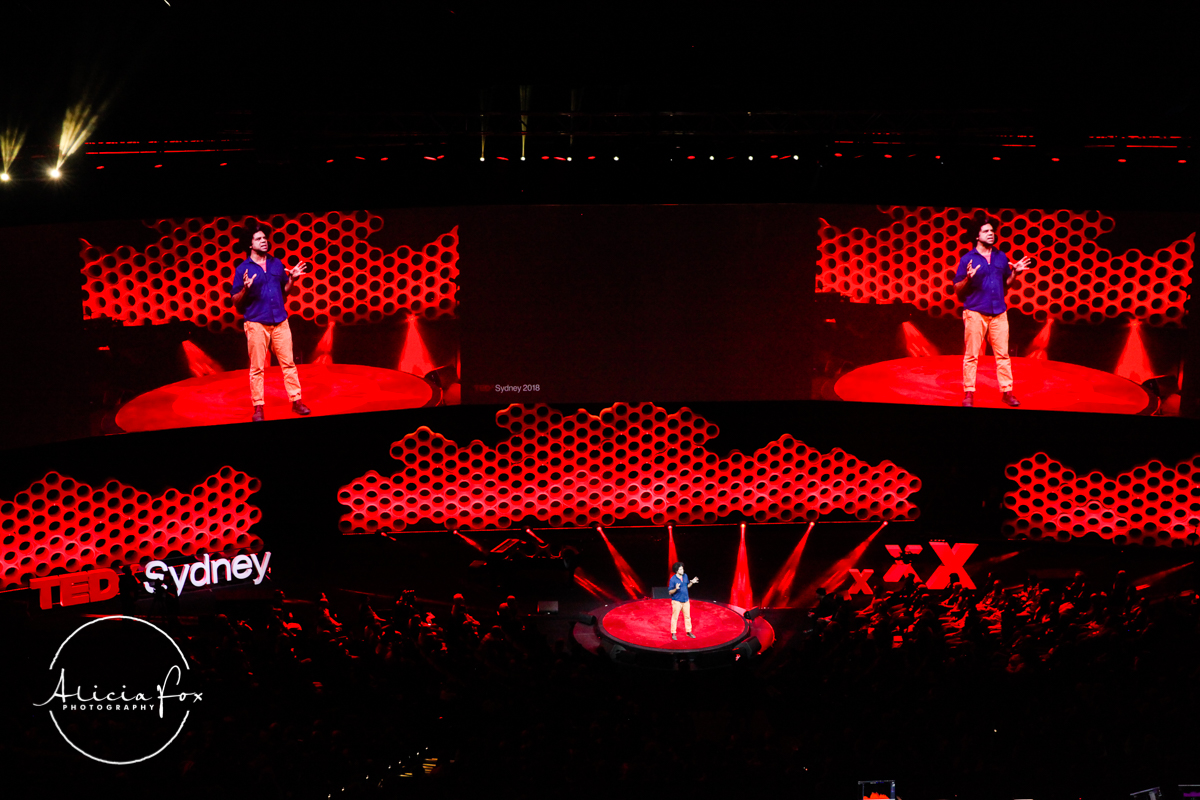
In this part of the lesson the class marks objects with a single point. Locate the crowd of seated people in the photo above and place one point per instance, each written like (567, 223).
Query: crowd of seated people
(1038, 689)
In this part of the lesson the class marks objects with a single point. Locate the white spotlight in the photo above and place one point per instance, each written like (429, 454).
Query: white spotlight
(751, 158)
(522, 158)
(712, 158)
(568, 158)
(615, 158)
(54, 173)
(4, 176)
(795, 158)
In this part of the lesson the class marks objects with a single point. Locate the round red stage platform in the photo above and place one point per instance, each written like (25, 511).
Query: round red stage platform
(639, 632)
(224, 397)
(1038, 384)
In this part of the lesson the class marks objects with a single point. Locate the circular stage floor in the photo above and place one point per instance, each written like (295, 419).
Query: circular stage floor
(645, 624)
(224, 397)
(1037, 383)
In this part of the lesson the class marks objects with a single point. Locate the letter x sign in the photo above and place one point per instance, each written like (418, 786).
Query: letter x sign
(953, 561)
(898, 570)
(860, 578)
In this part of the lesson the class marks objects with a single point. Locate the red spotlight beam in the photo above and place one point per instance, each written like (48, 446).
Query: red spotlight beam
(1150, 580)
(591, 587)
(741, 595)
(781, 587)
(837, 574)
(199, 362)
(323, 354)
(414, 355)
(915, 343)
(672, 556)
(630, 582)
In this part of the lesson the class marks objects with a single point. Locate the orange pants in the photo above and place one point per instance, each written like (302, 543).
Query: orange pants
(687, 615)
(261, 339)
(994, 328)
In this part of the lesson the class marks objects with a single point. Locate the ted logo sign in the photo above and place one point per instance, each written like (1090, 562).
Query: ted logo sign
(76, 588)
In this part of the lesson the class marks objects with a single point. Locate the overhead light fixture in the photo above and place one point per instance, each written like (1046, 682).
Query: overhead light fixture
(55, 173)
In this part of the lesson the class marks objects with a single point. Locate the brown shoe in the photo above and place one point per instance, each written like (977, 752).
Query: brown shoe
(1010, 400)
(298, 407)
(968, 399)
(258, 414)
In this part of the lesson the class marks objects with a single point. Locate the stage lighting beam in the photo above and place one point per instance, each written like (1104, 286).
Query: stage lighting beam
(837, 574)
(80, 120)
(672, 556)
(10, 144)
(630, 581)
(780, 590)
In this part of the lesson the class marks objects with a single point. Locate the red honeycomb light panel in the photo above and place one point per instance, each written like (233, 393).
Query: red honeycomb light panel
(1149, 504)
(914, 259)
(186, 275)
(574, 470)
(61, 524)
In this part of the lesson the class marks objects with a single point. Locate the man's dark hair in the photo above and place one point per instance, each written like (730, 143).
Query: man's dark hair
(977, 222)
(675, 567)
(251, 227)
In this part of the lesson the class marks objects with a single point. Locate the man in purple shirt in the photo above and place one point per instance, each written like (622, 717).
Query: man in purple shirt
(984, 274)
(260, 287)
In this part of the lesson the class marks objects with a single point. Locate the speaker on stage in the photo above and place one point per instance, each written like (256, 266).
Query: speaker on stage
(749, 647)
(754, 613)
(659, 593)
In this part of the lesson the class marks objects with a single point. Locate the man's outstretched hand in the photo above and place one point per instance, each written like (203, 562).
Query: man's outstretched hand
(247, 279)
(1022, 265)
(298, 270)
